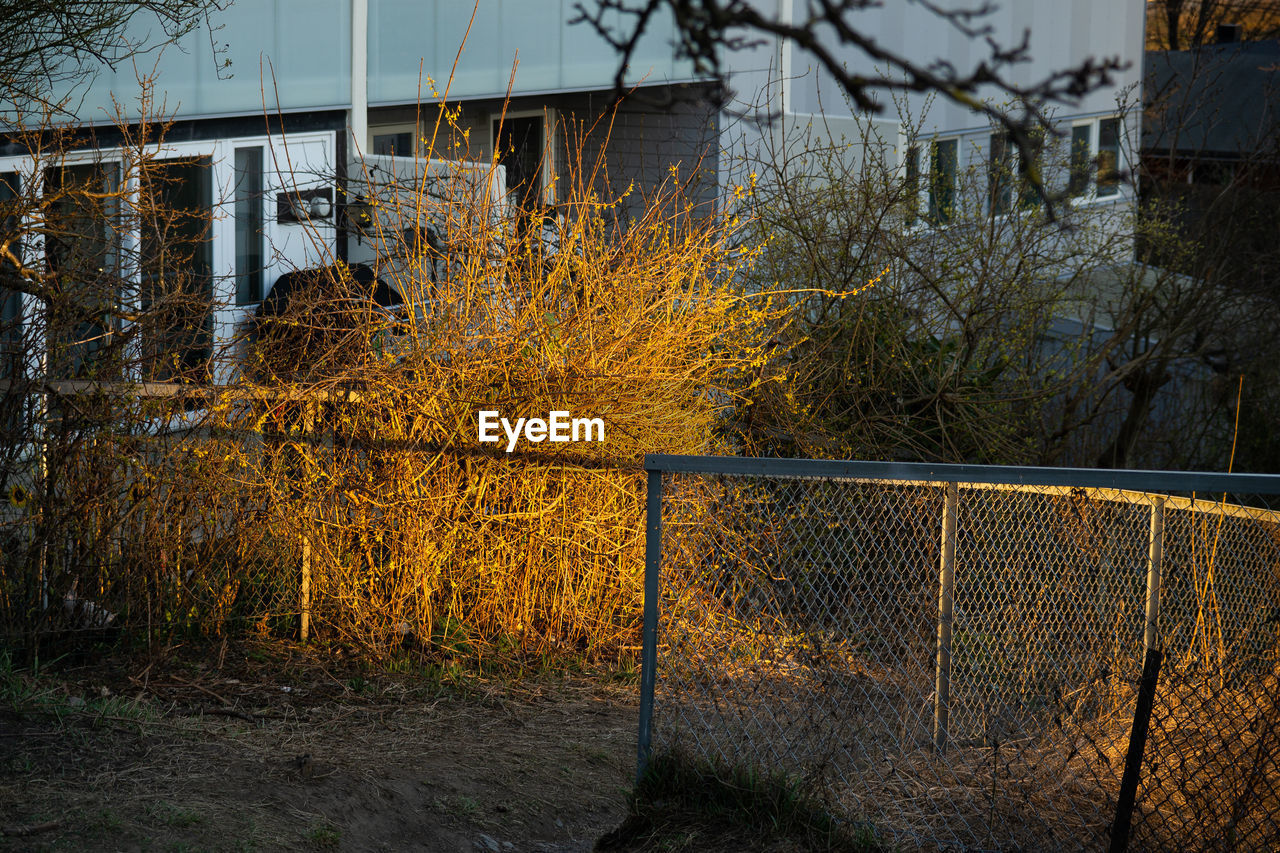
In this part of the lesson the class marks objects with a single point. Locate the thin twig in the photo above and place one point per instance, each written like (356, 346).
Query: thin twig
(31, 829)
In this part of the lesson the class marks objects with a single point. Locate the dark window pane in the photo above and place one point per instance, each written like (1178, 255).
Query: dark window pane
(1028, 168)
(1000, 174)
(942, 180)
(911, 191)
(1081, 157)
(1108, 156)
(10, 296)
(82, 249)
(519, 148)
(397, 144)
(176, 285)
(249, 259)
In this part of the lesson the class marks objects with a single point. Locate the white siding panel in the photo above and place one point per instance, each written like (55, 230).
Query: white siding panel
(305, 43)
(1061, 35)
(405, 35)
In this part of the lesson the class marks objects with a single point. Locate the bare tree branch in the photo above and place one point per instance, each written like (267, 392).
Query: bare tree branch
(47, 44)
(1188, 24)
(706, 28)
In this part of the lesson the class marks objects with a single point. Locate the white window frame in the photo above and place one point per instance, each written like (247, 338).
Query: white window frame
(24, 168)
(231, 190)
(1017, 175)
(1090, 194)
(412, 128)
(31, 180)
(289, 248)
(1013, 158)
(923, 146)
(549, 147)
(926, 177)
(1121, 160)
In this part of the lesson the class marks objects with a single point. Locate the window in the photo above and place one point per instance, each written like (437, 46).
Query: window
(249, 255)
(519, 145)
(398, 144)
(1095, 160)
(1108, 156)
(943, 161)
(82, 249)
(1000, 177)
(1028, 168)
(1003, 178)
(134, 269)
(175, 294)
(10, 297)
(911, 188)
(1081, 159)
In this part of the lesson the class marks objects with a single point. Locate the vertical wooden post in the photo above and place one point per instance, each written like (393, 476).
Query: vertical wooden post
(42, 527)
(1155, 556)
(946, 587)
(304, 590)
(304, 594)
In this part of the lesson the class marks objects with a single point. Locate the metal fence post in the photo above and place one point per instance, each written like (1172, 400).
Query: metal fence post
(946, 587)
(1133, 757)
(649, 651)
(1155, 556)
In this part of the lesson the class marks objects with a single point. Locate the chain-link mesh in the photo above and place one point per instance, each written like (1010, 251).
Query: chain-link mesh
(803, 628)
(1210, 776)
(155, 515)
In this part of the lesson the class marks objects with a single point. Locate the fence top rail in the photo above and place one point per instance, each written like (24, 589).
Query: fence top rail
(181, 390)
(925, 472)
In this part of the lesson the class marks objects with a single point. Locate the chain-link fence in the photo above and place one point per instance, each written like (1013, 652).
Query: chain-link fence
(160, 510)
(951, 655)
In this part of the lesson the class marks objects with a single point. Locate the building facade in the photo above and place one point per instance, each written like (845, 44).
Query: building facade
(274, 108)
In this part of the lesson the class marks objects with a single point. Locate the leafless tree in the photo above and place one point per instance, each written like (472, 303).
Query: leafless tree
(1211, 167)
(1186, 24)
(48, 44)
(974, 337)
(826, 28)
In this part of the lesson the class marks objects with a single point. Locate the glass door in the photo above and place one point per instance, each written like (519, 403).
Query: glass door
(175, 289)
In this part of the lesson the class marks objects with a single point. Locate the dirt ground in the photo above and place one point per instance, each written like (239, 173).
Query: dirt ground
(242, 749)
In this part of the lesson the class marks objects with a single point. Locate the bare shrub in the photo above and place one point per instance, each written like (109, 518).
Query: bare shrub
(337, 486)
